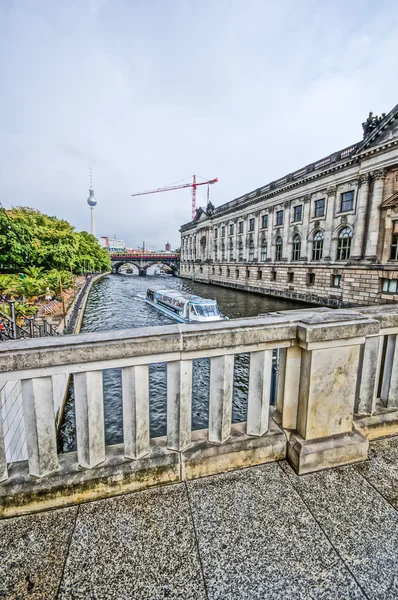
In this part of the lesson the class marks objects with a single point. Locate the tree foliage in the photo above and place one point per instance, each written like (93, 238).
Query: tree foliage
(29, 238)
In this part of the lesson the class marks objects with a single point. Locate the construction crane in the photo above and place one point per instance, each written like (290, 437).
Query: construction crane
(193, 185)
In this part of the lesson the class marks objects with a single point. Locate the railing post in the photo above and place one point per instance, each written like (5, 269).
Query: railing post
(220, 405)
(13, 319)
(89, 408)
(39, 418)
(135, 392)
(368, 376)
(288, 386)
(3, 461)
(31, 327)
(389, 388)
(259, 392)
(179, 404)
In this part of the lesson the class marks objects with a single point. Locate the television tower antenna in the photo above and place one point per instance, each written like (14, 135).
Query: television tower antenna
(91, 201)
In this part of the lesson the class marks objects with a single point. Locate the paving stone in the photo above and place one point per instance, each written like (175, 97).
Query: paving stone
(382, 470)
(359, 522)
(257, 539)
(140, 545)
(33, 551)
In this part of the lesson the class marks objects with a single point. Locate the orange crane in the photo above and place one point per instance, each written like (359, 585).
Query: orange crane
(193, 185)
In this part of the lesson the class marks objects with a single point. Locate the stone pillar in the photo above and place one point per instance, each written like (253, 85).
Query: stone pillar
(259, 392)
(324, 436)
(244, 240)
(255, 235)
(306, 226)
(285, 234)
(362, 209)
(220, 405)
(89, 407)
(327, 243)
(270, 233)
(179, 404)
(135, 394)
(236, 248)
(374, 215)
(369, 368)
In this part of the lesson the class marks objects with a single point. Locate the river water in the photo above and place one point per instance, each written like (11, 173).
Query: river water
(117, 302)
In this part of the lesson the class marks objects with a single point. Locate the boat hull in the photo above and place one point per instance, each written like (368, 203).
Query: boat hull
(167, 312)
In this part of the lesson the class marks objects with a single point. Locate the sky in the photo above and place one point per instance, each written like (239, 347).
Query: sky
(150, 92)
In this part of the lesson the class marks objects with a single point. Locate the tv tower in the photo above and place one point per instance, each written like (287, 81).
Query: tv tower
(91, 201)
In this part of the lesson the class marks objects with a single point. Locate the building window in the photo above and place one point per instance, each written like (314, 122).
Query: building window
(344, 244)
(264, 221)
(259, 274)
(215, 234)
(223, 251)
(264, 250)
(228, 272)
(251, 251)
(251, 224)
(237, 273)
(241, 250)
(296, 251)
(273, 275)
(248, 273)
(240, 227)
(336, 281)
(290, 277)
(213, 270)
(389, 286)
(310, 278)
(222, 231)
(297, 213)
(220, 270)
(394, 241)
(320, 208)
(215, 251)
(231, 249)
(279, 217)
(347, 201)
(231, 229)
(317, 246)
(278, 248)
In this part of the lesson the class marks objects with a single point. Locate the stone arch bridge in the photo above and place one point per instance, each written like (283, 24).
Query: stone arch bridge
(144, 261)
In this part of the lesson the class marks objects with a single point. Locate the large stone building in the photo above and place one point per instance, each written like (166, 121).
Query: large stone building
(326, 233)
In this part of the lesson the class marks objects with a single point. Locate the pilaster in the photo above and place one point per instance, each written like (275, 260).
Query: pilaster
(362, 209)
(375, 214)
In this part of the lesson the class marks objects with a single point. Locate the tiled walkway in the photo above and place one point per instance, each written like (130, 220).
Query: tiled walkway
(256, 533)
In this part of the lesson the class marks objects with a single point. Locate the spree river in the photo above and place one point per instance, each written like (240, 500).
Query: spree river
(117, 302)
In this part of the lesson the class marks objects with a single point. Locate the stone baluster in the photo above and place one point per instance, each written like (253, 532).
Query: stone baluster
(220, 405)
(135, 394)
(330, 209)
(362, 209)
(368, 376)
(389, 386)
(288, 385)
(305, 245)
(39, 418)
(89, 408)
(179, 404)
(259, 392)
(3, 461)
(324, 435)
(374, 214)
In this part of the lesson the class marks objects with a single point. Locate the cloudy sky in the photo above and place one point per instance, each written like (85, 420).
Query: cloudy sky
(150, 92)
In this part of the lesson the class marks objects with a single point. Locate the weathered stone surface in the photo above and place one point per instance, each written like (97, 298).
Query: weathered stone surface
(257, 539)
(359, 522)
(33, 550)
(382, 424)
(382, 469)
(135, 546)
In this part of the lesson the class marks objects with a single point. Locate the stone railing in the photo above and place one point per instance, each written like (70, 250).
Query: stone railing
(323, 353)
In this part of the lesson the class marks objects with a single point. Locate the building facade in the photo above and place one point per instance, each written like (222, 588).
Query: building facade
(327, 233)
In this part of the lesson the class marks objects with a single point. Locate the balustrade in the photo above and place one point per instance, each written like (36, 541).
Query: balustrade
(331, 365)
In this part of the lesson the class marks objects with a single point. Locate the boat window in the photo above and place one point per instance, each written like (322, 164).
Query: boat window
(206, 310)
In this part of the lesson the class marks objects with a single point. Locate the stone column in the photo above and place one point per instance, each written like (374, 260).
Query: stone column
(362, 209)
(374, 215)
(255, 235)
(306, 226)
(324, 436)
(270, 233)
(236, 249)
(327, 243)
(285, 234)
(244, 240)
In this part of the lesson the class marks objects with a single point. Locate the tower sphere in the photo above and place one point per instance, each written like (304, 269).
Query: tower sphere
(91, 201)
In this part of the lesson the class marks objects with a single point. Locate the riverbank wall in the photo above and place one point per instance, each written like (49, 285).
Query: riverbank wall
(11, 409)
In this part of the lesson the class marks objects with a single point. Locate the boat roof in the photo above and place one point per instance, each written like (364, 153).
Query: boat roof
(176, 295)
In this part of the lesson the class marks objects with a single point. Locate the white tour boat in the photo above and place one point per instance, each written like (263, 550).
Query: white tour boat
(184, 308)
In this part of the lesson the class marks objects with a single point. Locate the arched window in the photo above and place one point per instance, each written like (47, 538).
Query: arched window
(278, 248)
(240, 250)
(264, 250)
(251, 251)
(317, 246)
(296, 251)
(344, 244)
(231, 249)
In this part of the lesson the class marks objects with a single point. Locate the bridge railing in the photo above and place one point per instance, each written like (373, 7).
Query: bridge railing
(321, 359)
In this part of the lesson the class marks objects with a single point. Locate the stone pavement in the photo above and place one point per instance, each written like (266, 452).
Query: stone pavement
(261, 532)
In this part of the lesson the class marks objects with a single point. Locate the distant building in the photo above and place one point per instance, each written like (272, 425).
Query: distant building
(103, 241)
(168, 247)
(114, 245)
